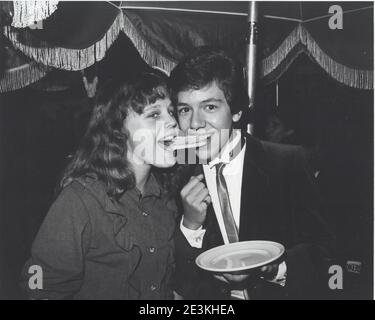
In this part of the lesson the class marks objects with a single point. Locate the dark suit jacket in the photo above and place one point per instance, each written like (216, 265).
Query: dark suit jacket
(279, 202)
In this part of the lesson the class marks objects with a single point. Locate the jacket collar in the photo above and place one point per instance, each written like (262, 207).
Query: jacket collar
(230, 151)
(98, 189)
(254, 191)
(152, 188)
(254, 157)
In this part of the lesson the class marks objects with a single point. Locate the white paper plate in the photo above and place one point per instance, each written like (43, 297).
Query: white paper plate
(240, 256)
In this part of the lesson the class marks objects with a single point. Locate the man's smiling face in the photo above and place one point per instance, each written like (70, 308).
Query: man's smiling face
(206, 110)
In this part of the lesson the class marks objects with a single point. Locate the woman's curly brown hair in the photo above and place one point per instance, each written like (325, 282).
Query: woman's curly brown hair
(103, 149)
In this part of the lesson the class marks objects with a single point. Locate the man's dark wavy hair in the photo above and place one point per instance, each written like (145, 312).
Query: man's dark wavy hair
(103, 149)
(206, 65)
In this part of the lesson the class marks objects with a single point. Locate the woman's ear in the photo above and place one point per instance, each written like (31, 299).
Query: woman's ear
(237, 116)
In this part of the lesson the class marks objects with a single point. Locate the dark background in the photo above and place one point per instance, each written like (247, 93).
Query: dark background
(39, 129)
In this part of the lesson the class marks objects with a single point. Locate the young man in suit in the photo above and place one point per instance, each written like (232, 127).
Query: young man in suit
(242, 189)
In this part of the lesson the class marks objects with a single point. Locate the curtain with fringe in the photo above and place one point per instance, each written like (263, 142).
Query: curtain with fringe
(272, 66)
(147, 52)
(21, 76)
(163, 38)
(166, 52)
(65, 58)
(28, 12)
(352, 77)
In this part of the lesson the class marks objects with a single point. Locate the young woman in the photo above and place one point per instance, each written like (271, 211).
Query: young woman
(108, 235)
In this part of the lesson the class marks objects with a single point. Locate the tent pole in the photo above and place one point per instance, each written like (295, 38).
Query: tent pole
(252, 37)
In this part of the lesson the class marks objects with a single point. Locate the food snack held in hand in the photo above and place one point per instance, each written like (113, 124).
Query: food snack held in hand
(190, 141)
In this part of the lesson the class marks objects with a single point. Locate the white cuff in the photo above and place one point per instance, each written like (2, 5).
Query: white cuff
(194, 237)
(280, 278)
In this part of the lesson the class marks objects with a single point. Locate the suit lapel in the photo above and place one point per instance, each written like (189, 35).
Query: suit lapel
(198, 170)
(255, 192)
(255, 195)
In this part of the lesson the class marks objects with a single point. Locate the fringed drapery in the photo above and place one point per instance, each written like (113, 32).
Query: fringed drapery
(274, 60)
(22, 76)
(356, 78)
(27, 13)
(149, 54)
(64, 58)
(284, 64)
(274, 64)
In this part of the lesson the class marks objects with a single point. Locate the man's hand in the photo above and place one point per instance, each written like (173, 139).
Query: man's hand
(177, 296)
(195, 199)
(268, 272)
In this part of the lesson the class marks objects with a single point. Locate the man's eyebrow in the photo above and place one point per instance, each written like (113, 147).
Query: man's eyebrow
(212, 100)
(183, 104)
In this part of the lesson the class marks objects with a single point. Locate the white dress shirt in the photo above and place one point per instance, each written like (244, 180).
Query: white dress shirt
(233, 177)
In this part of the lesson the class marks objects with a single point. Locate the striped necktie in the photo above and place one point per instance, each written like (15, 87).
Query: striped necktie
(226, 209)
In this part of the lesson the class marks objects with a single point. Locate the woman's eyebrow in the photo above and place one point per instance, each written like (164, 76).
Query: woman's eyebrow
(151, 107)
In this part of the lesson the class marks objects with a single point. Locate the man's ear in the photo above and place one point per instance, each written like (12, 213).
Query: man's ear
(237, 116)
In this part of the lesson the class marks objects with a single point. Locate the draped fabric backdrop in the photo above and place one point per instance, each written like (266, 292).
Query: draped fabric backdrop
(75, 35)
(164, 36)
(72, 37)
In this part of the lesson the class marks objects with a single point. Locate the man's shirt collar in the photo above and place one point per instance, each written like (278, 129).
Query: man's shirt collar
(230, 151)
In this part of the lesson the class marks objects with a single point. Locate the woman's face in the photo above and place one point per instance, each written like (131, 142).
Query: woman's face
(150, 134)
